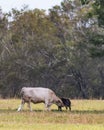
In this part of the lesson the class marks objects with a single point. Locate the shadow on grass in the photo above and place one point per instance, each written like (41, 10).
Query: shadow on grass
(82, 111)
(56, 111)
(87, 111)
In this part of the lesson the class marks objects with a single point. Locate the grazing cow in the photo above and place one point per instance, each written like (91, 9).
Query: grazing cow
(66, 102)
(39, 95)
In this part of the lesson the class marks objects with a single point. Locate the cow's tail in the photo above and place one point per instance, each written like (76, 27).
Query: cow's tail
(22, 92)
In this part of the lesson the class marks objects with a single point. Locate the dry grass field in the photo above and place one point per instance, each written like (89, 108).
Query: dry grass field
(85, 115)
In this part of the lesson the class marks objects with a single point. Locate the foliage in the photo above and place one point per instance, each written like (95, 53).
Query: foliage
(62, 50)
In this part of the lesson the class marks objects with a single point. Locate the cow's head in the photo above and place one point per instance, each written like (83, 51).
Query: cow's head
(59, 103)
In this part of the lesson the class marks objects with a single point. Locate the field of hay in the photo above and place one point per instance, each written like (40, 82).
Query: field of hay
(85, 115)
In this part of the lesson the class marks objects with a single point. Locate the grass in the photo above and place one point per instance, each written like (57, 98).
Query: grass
(85, 115)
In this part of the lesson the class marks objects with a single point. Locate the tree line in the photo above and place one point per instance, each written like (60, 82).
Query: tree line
(62, 49)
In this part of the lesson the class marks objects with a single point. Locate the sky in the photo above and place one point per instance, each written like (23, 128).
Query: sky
(7, 5)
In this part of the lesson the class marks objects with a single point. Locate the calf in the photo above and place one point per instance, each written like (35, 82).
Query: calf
(39, 95)
(66, 102)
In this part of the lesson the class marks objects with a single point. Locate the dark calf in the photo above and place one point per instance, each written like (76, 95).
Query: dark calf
(66, 102)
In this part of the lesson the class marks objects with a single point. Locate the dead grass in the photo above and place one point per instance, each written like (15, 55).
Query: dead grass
(85, 115)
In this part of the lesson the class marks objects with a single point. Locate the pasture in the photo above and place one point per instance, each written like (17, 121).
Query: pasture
(85, 115)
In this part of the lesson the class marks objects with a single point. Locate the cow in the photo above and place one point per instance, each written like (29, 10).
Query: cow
(39, 95)
(66, 102)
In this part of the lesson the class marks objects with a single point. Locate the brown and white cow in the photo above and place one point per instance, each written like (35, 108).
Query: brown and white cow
(39, 95)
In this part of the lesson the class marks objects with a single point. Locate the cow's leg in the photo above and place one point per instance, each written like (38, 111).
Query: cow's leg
(48, 108)
(29, 106)
(47, 105)
(59, 108)
(21, 106)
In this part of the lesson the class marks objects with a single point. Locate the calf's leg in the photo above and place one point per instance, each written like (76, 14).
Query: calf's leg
(69, 108)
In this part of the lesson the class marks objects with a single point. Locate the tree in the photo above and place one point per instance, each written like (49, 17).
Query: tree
(61, 50)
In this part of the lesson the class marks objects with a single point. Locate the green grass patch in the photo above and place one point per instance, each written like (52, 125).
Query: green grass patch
(85, 115)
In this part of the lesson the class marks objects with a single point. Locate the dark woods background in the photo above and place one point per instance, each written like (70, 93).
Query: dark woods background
(62, 50)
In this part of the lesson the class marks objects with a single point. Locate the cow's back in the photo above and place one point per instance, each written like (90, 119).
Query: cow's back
(37, 94)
